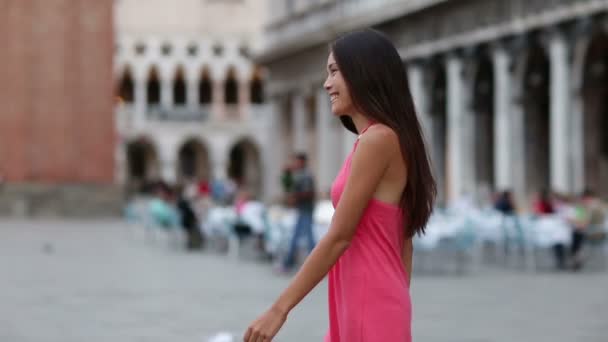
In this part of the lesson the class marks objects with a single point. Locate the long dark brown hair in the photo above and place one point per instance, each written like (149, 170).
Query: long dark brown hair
(378, 85)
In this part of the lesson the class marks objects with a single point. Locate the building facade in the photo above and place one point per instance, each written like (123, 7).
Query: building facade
(190, 101)
(511, 94)
(57, 134)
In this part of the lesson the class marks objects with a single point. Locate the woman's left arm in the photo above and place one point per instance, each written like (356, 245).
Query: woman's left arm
(368, 165)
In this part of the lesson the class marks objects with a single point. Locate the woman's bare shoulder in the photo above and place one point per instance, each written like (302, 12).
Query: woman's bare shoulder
(383, 138)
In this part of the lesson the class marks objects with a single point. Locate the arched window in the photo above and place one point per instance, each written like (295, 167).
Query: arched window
(192, 50)
(166, 49)
(231, 89)
(204, 88)
(153, 88)
(257, 88)
(218, 50)
(179, 88)
(126, 87)
(140, 49)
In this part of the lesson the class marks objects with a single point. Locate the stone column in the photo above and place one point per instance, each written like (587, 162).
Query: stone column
(244, 99)
(122, 164)
(140, 106)
(559, 113)
(503, 139)
(217, 99)
(457, 154)
(220, 159)
(166, 93)
(577, 147)
(415, 75)
(517, 142)
(274, 150)
(328, 144)
(192, 93)
(167, 165)
(299, 122)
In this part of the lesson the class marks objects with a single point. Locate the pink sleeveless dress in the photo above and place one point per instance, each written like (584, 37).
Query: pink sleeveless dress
(369, 297)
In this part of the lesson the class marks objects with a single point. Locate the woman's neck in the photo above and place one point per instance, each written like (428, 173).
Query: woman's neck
(361, 122)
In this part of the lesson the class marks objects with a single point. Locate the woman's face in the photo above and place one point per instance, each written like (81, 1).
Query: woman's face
(341, 103)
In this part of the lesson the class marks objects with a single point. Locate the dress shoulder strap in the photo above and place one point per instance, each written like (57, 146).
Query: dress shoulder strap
(361, 134)
(365, 130)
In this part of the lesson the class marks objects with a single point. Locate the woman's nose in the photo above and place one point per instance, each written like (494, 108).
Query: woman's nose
(327, 84)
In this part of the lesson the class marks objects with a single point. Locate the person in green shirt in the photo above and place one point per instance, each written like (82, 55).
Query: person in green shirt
(588, 222)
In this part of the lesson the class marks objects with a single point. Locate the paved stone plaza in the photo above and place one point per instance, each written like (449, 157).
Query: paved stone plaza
(94, 281)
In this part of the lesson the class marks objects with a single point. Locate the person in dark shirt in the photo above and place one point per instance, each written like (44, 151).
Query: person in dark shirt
(189, 221)
(303, 198)
(504, 203)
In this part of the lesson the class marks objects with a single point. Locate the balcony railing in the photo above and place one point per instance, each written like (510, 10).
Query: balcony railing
(126, 116)
(178, 113)
(232, 112)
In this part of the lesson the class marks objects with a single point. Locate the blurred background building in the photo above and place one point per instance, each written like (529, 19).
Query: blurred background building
(512, 94)
(103, 97)
(190, 100)
(57, 134)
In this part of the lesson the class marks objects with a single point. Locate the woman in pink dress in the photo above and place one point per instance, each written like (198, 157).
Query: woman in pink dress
(383, 196)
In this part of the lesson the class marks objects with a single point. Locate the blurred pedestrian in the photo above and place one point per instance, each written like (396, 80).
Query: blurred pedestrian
(302, 196)
(189, 220)
(384, 195)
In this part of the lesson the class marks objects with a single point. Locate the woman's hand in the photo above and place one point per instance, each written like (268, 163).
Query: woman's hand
(266, 326)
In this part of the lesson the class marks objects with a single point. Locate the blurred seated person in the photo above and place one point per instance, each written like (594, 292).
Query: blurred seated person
(162, 207)
(588, 224)
(242, 228)
(504, 203)
(203, 188)
(251, 218)
(543, 205)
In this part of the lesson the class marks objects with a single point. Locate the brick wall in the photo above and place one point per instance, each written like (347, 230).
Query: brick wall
(56, 91)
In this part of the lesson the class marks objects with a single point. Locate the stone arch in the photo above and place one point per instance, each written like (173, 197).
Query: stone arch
(595, 114)
(535, 104)
(142, 163)
(483, 123)
(193, 161)
(245, 165)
